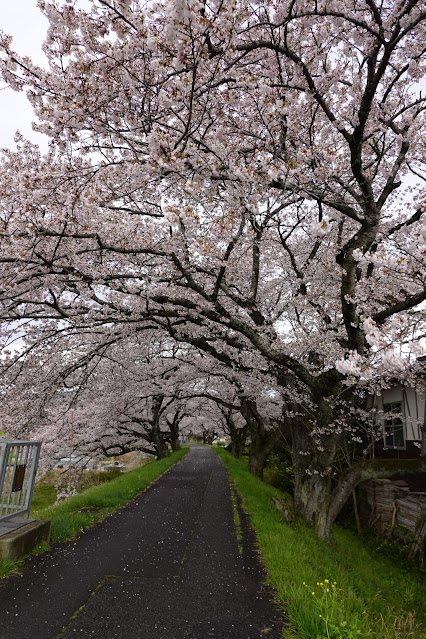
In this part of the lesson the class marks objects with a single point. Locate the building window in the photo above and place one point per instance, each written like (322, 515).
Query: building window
(394, 436)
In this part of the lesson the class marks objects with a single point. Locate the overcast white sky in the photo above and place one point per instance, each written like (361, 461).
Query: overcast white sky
(27, 25)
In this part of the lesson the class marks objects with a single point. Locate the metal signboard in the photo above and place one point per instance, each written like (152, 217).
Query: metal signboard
(18, 478)
(18, 467)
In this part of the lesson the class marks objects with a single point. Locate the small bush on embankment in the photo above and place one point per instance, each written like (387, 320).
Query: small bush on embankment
(56, 482)
(329, 590)
(71, 517)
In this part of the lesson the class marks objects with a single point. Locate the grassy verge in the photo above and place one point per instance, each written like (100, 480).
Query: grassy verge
(71, 517)
(335, 590)
(45, 492)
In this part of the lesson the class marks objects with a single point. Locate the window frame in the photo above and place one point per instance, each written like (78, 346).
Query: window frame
(394, 423)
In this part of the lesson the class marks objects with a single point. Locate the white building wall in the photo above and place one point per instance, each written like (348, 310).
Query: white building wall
(413, 408)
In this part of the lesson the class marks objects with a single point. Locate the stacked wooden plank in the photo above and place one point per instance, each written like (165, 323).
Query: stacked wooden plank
(382, 495)
(411, 509)
(392, 505)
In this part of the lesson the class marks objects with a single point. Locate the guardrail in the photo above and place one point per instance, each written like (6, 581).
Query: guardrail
(18, 467)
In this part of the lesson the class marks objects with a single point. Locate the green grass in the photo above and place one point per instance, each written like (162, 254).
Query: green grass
(372, 598)
(45, 491)
(237, 518)
(71, 517)
(10, 567)
(44, 495)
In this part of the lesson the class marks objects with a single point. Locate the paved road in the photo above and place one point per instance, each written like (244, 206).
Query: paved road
(168, 566)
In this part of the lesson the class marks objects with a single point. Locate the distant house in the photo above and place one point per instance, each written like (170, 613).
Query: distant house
(398, 505)
(401, 416)
(77, 461)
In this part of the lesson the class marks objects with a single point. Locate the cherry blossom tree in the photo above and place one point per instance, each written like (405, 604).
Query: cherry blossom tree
(249, 179)
(108, 400)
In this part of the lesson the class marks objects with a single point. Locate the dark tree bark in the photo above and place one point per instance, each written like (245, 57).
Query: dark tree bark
(237, 434)
(209, 435)
(161, 448)
(173, 435)
(262, 439)
(157, 437)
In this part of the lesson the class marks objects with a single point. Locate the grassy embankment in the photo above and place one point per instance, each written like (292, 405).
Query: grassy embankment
(93, 504)
(334, 590)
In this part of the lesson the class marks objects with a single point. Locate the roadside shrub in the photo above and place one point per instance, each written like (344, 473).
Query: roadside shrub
(279, 473)
(96, 477)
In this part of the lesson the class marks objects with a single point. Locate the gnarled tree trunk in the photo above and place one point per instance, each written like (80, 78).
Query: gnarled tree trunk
(160, 445)
(314, 460)
(262, 439)
(238, 436)
(158, 438)
(173, 435)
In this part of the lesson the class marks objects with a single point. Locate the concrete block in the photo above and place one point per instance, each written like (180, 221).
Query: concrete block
(21, 541)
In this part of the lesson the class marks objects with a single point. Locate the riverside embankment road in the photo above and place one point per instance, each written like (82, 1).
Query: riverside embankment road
(168, 566)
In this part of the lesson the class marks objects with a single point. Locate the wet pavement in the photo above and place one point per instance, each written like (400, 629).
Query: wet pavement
(167, 566)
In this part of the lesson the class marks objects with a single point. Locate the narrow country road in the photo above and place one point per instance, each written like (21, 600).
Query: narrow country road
(168, 566)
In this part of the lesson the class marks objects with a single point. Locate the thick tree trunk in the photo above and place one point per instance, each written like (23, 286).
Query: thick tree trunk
(158, 438)
(175, 443)
(261, 445)
(312, 499)
(262, 440)
(238, 435)
(237, 447)
(238, 440)
(160, 443)
(161, 448)
(209, 435)
(173, 437)
(314, 459)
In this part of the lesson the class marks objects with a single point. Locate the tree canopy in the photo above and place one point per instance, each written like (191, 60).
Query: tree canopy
(246, 178)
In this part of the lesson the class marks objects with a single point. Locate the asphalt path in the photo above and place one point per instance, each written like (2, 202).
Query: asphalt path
(167, 566)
